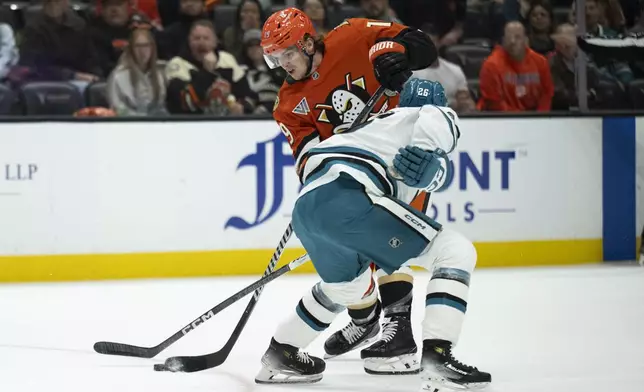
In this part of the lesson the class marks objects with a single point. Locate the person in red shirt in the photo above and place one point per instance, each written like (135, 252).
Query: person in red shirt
(330, 79)
(515, 78)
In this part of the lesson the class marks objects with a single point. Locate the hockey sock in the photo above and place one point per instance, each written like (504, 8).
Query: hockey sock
(313, 314)
(368, 308)
(365, 315)
(396, 294)
(445, 304)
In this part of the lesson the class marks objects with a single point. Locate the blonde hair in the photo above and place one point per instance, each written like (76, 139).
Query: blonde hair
(128, 60)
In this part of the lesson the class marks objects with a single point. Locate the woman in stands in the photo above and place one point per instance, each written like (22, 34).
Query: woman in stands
(250, 15)
(136, 87)
(540, 26)
(318, 12)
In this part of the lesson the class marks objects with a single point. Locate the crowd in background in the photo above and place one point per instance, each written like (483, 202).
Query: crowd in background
(163, 57)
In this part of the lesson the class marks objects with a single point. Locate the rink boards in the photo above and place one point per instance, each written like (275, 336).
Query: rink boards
(110, 200)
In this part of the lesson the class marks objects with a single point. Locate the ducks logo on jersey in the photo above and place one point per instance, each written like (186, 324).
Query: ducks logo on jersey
(344, 103)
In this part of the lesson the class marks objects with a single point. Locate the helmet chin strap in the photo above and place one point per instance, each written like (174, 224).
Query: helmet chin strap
(309, 67)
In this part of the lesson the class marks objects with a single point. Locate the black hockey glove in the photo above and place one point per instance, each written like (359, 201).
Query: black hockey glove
(390, 64)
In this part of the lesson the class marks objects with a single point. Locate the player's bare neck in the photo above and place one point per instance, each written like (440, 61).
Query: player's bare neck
(317, 60)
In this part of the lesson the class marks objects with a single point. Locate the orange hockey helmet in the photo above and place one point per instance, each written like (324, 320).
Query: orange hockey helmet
(284, 30)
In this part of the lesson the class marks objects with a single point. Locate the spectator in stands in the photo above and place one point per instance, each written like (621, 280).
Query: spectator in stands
(203, 79)
(110, 31)
(173, 37)
(8, 51)
(515, 78)
(145, 9)
(379, 10)
(447, 16)
(562, 68)
(57, 46)
(265, 82)
(318, 12)
(516, 10)
(595, 13)
(540, 27)
(448, 74)
(250, 15)
(137, 86)
(603, 17)
(149, 10)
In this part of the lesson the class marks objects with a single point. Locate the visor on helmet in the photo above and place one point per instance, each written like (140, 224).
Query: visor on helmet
(277, 58)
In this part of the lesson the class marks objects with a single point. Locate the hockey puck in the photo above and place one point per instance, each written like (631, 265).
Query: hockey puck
(160, 367)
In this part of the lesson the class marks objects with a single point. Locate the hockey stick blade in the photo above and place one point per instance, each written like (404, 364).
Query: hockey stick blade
(188, 364)
(128, 350)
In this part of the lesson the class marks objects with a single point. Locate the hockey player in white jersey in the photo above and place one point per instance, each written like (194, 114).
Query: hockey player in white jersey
(353, 209)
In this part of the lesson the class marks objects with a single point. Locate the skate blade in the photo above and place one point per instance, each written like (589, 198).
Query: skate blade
(399, 365)
(441, 384)
(367, 342)
(273, 376)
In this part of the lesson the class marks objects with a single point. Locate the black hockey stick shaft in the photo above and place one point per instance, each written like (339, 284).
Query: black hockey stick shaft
(112, 348)
(187, 364)
(371, 103)
(197, 363)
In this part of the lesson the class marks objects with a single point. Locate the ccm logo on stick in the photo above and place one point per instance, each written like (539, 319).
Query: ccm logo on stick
(198, 321)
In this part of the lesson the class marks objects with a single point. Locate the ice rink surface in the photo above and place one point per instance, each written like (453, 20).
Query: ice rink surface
(572, 329)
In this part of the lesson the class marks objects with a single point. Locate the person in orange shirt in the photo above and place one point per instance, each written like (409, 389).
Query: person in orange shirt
(330, 79)
(515, 78)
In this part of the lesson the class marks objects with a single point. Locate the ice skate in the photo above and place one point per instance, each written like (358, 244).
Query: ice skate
(440, 371)
(286, 364)
(395, 352)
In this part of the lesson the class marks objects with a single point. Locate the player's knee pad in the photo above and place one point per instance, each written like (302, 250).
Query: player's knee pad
(447, 290)
(450, 249)
(354, 293)
(313, 314)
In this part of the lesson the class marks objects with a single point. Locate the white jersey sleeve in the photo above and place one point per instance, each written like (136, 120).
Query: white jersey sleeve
(436, 127)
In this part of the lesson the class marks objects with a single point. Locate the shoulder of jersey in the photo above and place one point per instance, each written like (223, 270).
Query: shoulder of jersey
(284, 97)
(345, 27)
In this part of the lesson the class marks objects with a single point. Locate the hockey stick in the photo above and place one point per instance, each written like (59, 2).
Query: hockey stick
(111, 348)
(197, 363)
(179, 364)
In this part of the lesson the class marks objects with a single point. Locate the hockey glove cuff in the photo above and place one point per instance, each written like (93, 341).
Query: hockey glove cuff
(390, 64)
(418, 168)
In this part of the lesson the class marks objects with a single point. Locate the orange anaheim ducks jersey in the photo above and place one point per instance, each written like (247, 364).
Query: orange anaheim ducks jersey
(328, 101)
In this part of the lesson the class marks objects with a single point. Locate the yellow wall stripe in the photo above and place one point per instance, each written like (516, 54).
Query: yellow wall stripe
(253, 262)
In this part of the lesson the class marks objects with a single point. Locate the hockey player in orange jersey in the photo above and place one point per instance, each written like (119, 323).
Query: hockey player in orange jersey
(330, 79)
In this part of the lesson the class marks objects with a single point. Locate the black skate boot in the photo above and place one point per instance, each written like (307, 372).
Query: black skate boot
(395, 352)
(361, 331)
(286, 364)
(350, 338)
(441, 370)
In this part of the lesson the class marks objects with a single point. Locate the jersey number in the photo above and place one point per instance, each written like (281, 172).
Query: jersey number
(378, 24)
(287, 133)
